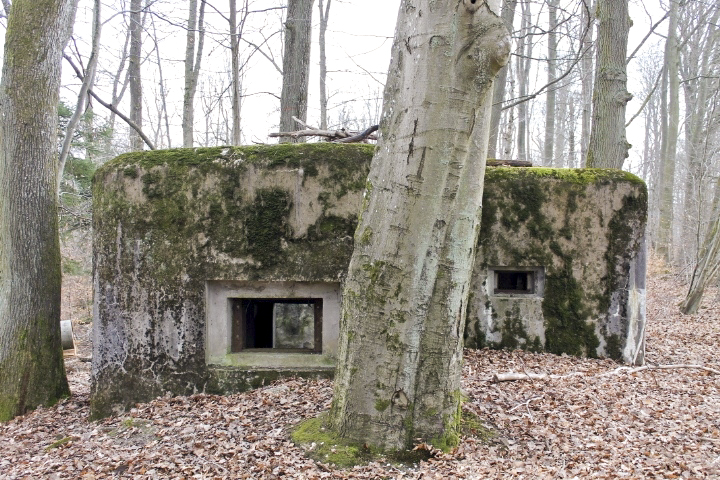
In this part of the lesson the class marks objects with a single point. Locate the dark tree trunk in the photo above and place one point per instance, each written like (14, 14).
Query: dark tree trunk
(31, 361)
(296, 65)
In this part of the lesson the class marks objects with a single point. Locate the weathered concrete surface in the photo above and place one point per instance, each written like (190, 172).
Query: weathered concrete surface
(168, 223)
(178, 233)
(584, 231)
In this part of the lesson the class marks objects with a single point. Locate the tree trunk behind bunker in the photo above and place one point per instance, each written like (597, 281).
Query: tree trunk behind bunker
(136, 108)
(608, 145)
(405, 297)
(31, 360)
(296, 66)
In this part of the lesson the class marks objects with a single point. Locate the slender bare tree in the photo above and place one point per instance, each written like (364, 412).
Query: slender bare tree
(324, 16)
(136, 107)
(670, 124)
(83, 96)
(193, 59)
(548, 144)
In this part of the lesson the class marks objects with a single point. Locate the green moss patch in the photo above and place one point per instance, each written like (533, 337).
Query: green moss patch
(324, 445)
(566, 327)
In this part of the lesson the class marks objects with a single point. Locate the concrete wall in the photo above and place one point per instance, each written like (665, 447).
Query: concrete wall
(582, 233)
(179, 233)
(179, 230)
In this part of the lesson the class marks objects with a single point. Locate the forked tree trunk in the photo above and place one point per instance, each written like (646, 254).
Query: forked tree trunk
(193, 59)
(405, 297)
(31, 361)
(296, 66)
(608, 146)
(508, 16)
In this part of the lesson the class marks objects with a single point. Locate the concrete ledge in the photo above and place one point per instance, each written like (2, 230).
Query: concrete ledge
(274, 360)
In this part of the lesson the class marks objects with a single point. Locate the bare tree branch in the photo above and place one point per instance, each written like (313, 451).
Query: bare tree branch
(647, 99)
(111, 107)
(87, 81)
(652, 29)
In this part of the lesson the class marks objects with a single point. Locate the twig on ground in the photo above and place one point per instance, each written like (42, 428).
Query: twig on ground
(513, 376)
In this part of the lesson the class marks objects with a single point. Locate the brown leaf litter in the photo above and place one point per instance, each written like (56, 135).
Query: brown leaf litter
(646, 424)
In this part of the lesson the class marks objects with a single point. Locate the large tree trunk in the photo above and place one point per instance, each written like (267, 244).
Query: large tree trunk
(136, 113)
(608, 146)
(31, 362)
(671, 124)
(296, 66)
(405, 297)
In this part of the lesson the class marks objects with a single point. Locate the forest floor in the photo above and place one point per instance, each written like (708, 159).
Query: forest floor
(595, 421)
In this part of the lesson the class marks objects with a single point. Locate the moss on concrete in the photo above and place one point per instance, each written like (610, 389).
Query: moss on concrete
(541, 217)
(167, 221)
(567, 329)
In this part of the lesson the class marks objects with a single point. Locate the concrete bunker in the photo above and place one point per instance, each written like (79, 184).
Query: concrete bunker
(221, 269)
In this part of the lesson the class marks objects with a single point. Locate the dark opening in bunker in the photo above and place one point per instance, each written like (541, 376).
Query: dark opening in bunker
(278, 324)
(510, 281)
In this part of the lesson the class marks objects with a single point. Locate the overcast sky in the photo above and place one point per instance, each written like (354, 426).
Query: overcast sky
(358, 44)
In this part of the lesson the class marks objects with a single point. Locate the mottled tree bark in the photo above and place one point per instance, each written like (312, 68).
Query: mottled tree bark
(136, 113)
(296, 66)
(405, 297)
(31, 362)
(608, 146)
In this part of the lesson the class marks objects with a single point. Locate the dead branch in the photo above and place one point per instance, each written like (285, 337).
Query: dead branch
(513, 376)
(507, 163)
(341, 135)
(632, 370)
(360, 136)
